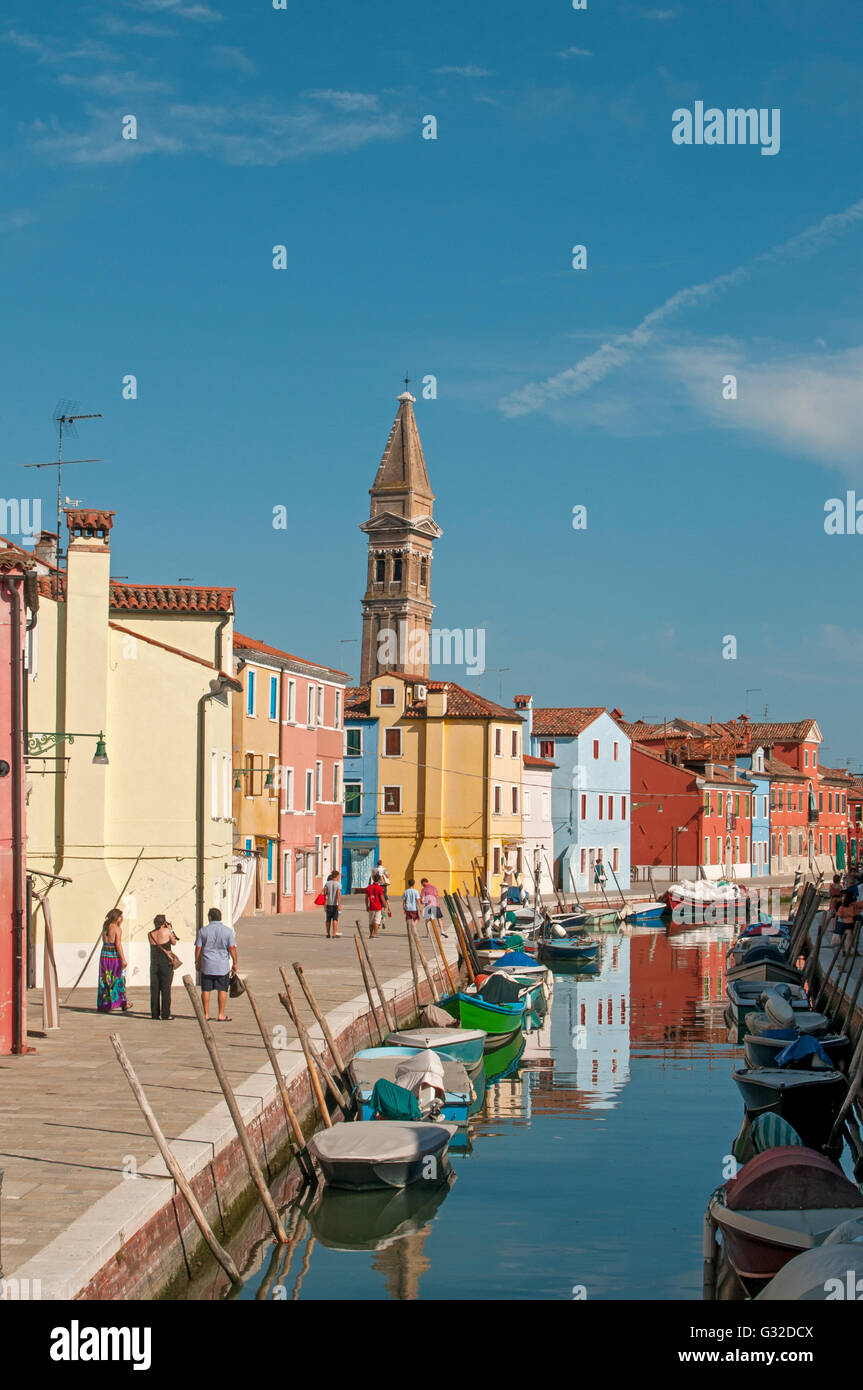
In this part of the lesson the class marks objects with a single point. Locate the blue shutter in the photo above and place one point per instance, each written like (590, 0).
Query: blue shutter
(274, 696)
(250, 702)
(269, 861)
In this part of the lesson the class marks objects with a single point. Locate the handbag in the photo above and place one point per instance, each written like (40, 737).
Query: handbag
(172, 957)
(235, 986)
(320, 900)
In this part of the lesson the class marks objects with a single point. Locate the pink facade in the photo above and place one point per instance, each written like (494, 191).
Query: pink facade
(17, 588)
(312, 748)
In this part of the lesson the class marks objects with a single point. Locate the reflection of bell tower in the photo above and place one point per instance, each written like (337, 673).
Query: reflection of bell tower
(397, 608)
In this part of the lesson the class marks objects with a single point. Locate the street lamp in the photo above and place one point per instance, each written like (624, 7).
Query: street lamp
(250, 772)
(37, 743)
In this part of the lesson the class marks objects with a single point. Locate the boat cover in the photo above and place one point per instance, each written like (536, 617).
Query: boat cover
(377, 1141)
(499, 989)
(818, 1275)
(433, 1017)
(445, 1036)
(800, 1049)
(421, 1069)
(770, 1131)
(514, 958)
(394, 1102)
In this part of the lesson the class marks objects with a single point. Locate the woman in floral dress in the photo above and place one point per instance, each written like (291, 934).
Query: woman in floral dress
(111, 997)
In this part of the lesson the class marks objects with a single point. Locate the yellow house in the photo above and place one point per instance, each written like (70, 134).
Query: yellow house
(449, 783)
(142, 818)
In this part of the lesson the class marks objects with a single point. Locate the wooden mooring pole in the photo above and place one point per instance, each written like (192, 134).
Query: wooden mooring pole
(231, 1101)
(321, 1018)
(422, 960)
(287, 1002)
(389, 1018)
(381, 1031)
(290, 1116)
(172, 1165)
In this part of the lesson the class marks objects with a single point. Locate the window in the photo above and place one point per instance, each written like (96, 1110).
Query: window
(719, 849)
(335, 852)
(615, 749)
(274, 697)
(495, 860)
(397, 569)
(707, 803)
(799, 844)
(288, 777)
(829, 801)
(387, 695)
(319, 781)
(583, 860)
(310, 790)
(719, 803)
(253, 781)
(271, 845)
(514, 744)
(814, 758)
(310, 711)
(788, 843)
(338, 716)
(317, 856)
(615, 859)
(799, 801)
(599, 803)
(611, 808)
(820, 844)
(764, 812)
(546, 806)
(805, 757)
(748, 810)
(353, 743)
(707, 849)
(820, 802)
(596, 747)
(214, 785)
(781, 798)
(248, 844)
(380, 569)
(526, 801)
(772, 844)
(310, 872)
(515, 801)
(227, 790)
(250, 693)
(353, 798)
(843, 801)
(424, 572)
(498, 800)
(291, 711)
(392, 800)
(392, 743)
(746, 849)
(737, 803)
(623, 808)
(583, 806)
(830, 844)
(286, 872)
(337, 789)
(546, 748)
(320, 704)
(498, 742)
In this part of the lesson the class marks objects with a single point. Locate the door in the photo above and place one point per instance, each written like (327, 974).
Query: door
(299, 866)
(361, 868)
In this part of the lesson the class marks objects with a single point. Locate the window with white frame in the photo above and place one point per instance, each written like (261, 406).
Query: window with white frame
(226, 786)
(319, 781)
(392, 743)
(320, 704)
(250, 693)
(495, 860)
(335, 851)
(337, 782)
(287, 872)
(310, 709)
(338, 716)
(309, 872)
(515, 801)
(387, 695)
(498, 800)
(214, 786)
(498, 742)
(274, 697)
(310, 791)
(353, 798)
(291, 710)
(353, 743)
(514, 748)
(288, 779)
(318, 843)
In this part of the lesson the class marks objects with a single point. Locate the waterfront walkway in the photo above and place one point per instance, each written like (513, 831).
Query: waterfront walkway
(70, 1129)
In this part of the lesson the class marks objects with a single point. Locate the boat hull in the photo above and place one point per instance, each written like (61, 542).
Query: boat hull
(763, 1051)
(493, 1019)
(808, 1100)
(363, 1158)
(465, 1044)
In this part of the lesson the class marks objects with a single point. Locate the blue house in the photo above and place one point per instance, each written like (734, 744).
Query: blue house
(590, 808)
(360, 840)
(754, 765)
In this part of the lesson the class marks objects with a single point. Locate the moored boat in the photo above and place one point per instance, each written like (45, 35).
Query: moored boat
(643, 912)
(809, 1100)
(464, 1044)
(766, 963)
(762, 1049)
(472, 1011)
(447, 1086)
(384, 1153)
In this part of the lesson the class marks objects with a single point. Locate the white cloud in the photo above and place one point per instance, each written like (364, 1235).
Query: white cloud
(179, 9)
(618, 350)
(235, 58)
(347, 101)
(468, 71)
(119, 84)
(810, 404)
(575, 53)
(17, 218)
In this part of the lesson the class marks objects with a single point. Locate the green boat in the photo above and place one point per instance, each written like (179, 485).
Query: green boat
(474, 1012)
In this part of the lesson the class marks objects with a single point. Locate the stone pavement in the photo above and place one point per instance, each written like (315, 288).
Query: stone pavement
(69, 1125)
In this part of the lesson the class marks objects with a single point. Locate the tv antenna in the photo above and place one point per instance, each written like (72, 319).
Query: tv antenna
(65, 416)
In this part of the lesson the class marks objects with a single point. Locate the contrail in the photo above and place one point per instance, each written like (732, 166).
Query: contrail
(618, 350)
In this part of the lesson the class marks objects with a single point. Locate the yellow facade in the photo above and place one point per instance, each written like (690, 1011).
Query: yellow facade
(449, 784)
(256, 753)
(151, 831)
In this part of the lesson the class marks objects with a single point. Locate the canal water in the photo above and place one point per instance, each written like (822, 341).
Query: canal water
(588, 1166)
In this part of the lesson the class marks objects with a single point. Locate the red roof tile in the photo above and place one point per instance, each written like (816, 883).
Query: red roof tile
(530, 761)
(797, 732)
(463, 704)
(170, 598)
(251, 644)
(566, 722)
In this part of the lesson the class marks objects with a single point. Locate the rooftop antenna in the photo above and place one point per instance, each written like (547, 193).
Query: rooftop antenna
(64, 416)
(407, 379)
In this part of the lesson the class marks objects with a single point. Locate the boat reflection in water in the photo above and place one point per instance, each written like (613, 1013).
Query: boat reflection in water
(371, 1220)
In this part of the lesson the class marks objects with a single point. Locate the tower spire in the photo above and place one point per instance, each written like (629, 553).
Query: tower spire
(397, 607)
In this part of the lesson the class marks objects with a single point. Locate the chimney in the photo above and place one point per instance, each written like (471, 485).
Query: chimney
(524, 703)
(45, 548)
(88, 566)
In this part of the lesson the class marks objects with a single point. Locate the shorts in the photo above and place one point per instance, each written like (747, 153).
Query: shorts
(333, 913)
(218, 982)
(412, 916)
(375, 918)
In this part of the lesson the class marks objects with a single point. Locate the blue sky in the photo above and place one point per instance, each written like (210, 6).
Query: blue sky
(258, 387)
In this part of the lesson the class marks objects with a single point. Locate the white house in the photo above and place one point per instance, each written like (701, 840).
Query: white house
(537, 828)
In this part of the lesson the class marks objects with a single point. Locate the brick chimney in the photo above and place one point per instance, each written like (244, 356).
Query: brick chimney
(524, 703)
(45, 548)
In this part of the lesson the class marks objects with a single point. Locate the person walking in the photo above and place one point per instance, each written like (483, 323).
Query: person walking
(111, 992)
(161, 939)
(375, 900)
(411, 902)
(332, 898)
(215, 957)
(430, 902)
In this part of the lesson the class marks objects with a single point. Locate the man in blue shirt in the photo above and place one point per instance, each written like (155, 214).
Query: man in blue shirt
(215, 956)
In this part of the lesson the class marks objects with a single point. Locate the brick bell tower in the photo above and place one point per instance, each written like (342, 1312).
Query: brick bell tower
(397, 607)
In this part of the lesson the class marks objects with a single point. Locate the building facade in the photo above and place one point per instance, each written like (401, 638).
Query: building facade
(361, 841)
(288, 795)
(537, 826)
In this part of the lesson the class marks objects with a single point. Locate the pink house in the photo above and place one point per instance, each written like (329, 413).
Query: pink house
(17, 596)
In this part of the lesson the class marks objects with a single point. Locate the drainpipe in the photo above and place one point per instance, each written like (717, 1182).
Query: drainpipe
(218, 691)
(19, 1045)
